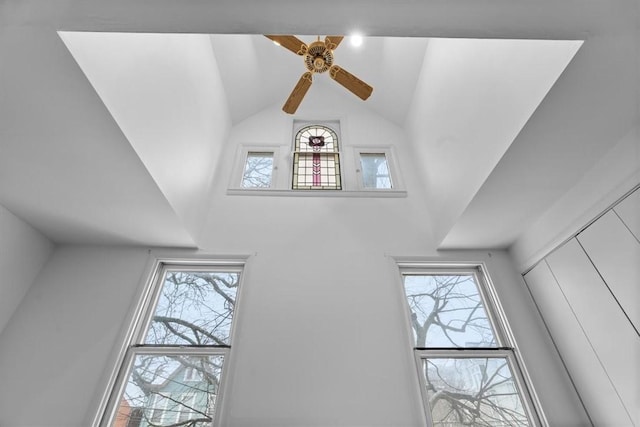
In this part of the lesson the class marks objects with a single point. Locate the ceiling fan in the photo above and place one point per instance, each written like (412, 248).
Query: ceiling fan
(318, 58)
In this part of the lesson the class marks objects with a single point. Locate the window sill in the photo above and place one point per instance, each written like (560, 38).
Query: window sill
(316, 193)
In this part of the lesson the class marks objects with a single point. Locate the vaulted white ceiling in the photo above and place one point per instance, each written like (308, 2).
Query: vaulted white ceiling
(90, 152)
(465, 100)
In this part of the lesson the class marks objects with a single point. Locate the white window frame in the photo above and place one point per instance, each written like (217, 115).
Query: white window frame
(238, 171)
(394, 172)
(348, 155)
(135, 335)
(334, 126)
(502, 333)
(274, 168)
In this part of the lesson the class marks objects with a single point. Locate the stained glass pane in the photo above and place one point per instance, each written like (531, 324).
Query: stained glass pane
(195, 308)
(473, 392)
(316, 164)
(158, 394)
(258, 170)
(375, 170)
(448, 311)
(316, 139)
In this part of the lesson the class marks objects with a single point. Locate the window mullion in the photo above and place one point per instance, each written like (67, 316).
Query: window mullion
(152, 349)
(458, 350)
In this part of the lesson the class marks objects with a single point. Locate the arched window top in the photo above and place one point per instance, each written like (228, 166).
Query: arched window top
(316, 139)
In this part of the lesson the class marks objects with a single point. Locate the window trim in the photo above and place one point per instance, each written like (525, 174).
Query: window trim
(283, 153)
(138, 320)
(394, 172)
(242, 154)
(317, 193)
(334, 128)
(506, 347)
(255, 153)
(147, 316)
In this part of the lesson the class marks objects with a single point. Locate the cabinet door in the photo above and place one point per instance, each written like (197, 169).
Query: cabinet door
(608, 330)
(615, 252)
(592, 383)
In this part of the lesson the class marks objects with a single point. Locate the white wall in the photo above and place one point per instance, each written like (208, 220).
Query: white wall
(613, 176)
(57, 345)
(23, 252)
(317, 344)
(166, 94)
(246, 224)
(321, 335)
(472, 99)
(587, 291)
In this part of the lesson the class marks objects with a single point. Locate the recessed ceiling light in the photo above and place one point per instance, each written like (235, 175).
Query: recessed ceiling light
(276, 43)
(356, 40)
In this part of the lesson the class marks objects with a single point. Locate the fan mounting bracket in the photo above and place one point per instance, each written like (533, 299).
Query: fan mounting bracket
(318, 58)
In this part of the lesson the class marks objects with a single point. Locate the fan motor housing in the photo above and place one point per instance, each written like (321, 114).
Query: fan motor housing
(318, 58)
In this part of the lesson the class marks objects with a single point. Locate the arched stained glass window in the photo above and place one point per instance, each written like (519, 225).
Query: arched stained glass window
(316, 159)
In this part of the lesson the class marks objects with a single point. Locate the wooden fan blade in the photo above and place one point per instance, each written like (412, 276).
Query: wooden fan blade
(351, 82)
(292, 43)
(298, 93)
(332, 42)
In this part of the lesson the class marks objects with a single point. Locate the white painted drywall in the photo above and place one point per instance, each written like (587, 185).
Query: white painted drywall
(610, 179)
(472, 99)
(321, 338)
(55, 348)
(166, 94)
(23, 253)
(322, 335)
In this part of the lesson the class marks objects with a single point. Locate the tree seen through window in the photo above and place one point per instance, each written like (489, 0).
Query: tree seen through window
(175, 372)
(467, 375)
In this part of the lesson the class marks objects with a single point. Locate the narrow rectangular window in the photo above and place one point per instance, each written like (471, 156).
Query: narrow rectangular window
(375, 171)
(258, 170)
(467, 369)
(174, 365)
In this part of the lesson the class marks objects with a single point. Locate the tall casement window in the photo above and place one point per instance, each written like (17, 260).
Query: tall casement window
(173, 368)
(468, 371)
(316, 159)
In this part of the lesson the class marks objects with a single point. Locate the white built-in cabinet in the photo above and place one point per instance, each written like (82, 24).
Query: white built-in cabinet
(588, 292)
